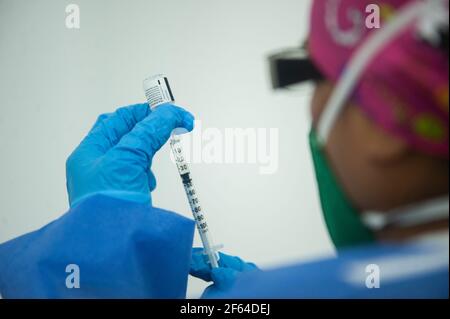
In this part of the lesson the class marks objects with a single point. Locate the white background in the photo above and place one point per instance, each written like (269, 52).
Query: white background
(54, 82)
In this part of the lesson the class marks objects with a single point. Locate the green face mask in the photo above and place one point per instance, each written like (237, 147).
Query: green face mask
(342, 220)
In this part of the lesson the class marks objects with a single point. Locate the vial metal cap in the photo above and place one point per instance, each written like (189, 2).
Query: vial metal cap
(157, 90)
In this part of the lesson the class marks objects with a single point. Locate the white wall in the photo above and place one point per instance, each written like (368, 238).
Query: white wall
(54, 82)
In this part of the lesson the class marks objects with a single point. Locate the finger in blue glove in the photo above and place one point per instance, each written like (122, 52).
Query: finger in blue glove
(200, 267)
(116, 155)
(224, 276)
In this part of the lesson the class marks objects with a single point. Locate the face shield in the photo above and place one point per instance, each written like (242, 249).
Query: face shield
(346, 226)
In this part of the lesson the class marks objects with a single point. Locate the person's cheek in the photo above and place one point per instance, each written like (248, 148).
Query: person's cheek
(347, 153)
(344, 162)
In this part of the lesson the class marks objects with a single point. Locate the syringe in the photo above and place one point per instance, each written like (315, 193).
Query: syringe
(158, 92)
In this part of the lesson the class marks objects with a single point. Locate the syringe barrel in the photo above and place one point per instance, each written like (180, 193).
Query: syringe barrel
(158, 92)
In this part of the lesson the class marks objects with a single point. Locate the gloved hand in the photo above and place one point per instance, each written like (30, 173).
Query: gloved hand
(224, 277)
(116, 155)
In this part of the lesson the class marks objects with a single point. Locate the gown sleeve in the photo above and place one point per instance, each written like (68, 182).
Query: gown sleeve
(103, 248)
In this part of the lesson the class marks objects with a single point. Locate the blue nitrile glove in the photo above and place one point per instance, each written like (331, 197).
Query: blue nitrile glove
(115, 157)
(224, 276)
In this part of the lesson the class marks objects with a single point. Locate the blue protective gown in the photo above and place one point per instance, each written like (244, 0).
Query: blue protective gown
(413, 270)
(130, 250)
(123, 250)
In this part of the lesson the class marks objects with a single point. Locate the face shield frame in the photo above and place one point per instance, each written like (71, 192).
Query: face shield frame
(290, 67)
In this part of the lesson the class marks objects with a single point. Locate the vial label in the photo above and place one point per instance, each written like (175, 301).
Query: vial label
(157, 90)
(154, 96)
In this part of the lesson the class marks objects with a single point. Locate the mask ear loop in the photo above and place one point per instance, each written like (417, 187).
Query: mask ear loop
(411, 215)
(352, 73)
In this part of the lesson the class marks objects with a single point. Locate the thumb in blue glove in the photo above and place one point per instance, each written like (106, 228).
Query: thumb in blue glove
(116, 155)
(224, 276)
